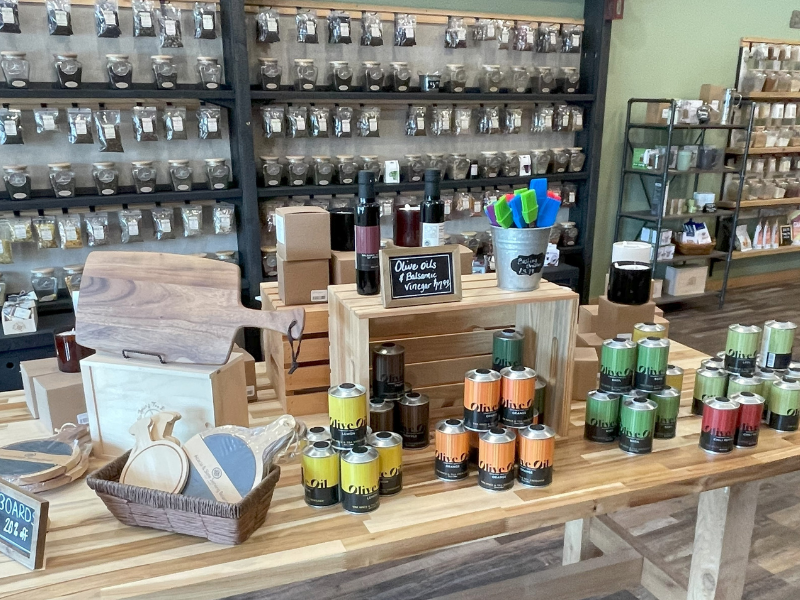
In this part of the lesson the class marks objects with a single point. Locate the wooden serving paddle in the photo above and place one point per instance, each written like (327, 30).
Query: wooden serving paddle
(34, 461)
(173, 307)
(157, 464)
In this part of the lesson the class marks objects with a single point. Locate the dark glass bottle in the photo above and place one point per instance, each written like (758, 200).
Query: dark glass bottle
(368, 236)
(432, 216)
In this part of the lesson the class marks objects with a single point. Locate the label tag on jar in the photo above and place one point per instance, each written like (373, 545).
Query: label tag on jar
(420, 123)
(133, 228)
(48, 122)
(461, 34)
(311, 27)
(465, 122)
(445, 123)
(169, 26)
(208, 22)
(548, 122)
(344, 29)
(375, 30)
(373, 124)
(346, 126)
(10, 127)
(212, 125)
(61, 17)
(177, 123)
(490, 30)
(576, 40)
(495, 122)
(99, 232)
(110, 131)
(110, 17)
(578, 119)
(147, 125)
(553, 38)
(145, 19)
(477, 205)
(517, 120)
(529, 36)
(410, 33)
(276, 125)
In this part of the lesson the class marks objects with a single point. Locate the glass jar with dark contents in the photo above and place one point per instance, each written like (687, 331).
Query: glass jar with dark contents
(106, 178)
(540, 161)
(18, 181)
(399, 77)
(68, 69)
(323, 170)
(341, 75)
(568, 80)
(369, 162)
(371, 75)
(414, 169)
(305, 75)
(456, 78)
(520, 79)
(560, 160)
(120, 71)
(16, 69)
(165, 72)
(72, 277)
(510, 164)
(543, 80)
(272, 170)
(436, 160)
(457, 166)
(180, 174)
(210, 72)
(297, 170)
(569, 234)
(219, 174)
(347, 168)
(490, 164)
(62, 179)
(144, 176)
(44, 283)
(270, 72)
(576, 160)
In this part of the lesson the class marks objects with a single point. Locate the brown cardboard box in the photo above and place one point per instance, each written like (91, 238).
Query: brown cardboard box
(249, 371)
(343, 267)
(659, 312)
(30, 369)
(613, 319)
(303, 281)
(715, 96)
(586, 318)
(303, 233)
(656, 113)
(584, 372)
(662, 321)
(589, 340)
(59, 397)
(466, 256)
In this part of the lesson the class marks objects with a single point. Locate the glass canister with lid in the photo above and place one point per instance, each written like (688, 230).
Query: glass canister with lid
(543, 80)
(72, 277)
(297, 170)
(269, 261)
(437, 161)
(510, 163)
(540, 161)
(164, 71)
(576, 160)
(568, 80)
(106, 178)
(305, 74)
(371, 76)
(270, 72)
(340, 76)
(323, 170)
(68, 69)
(569, 234)
(272, 170)
(62, 179)
(491, 78)
(218, 173)
(520, 79)
(347, 168)
(414, 169)
(560, 160)
(457, 166)
(180, 174)
(490, 163)
(455, 79)
(369, 162)
(210, 72)
(144, 176)
(44, 283)
(399, 76)
(18, 181)
(120, 71)
(16, 68)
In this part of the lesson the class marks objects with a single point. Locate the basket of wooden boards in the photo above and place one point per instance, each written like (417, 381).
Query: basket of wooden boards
(219, 522)
(694, 249)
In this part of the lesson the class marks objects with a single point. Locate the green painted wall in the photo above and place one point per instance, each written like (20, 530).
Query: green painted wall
(669, 49)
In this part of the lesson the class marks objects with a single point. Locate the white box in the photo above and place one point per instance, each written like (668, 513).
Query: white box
(649, 235)
(121, 391)
(20, 316)
(666, 252)
(658, 286)
(685, 280)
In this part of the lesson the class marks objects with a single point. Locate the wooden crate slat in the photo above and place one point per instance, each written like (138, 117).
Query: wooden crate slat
(311, 350)
(306, 404)
(469, 319)
(313, 376)
(443, 347)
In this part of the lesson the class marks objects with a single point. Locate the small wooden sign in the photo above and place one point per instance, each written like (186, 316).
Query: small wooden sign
(786, 235)
(413, 276)
(23, 525)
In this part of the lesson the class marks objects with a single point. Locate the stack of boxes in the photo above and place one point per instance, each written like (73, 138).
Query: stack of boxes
(304, 253)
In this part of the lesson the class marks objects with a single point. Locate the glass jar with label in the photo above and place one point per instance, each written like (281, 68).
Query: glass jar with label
(323, 170)
(305, 75)
(455, 78)
(210, 72)
(520, 79)
(180, 174)
(560, 160)
(62, 179)
(269, 261)
(341, 75)
(165, 71)
(72, 277)
(414, 168)
(369, 162)
(18, 181)
(569, 234)
(371, 76)
(429, 82)
(228, 256)
(540, 161)
(297, 170)
(270, 72)
(16, 69)
(68, 69)
(218, 173)
(491, 78)
(543, 80)
(399, 76)
(490, 163)
(510, 163)
(106, 178)
(347, 169)
(752, 80)
(144, 176)
(457, 166)
(576, 160)
(120, 71)
(44, 283)
(272, 170)
(437, 161)
(568, 80)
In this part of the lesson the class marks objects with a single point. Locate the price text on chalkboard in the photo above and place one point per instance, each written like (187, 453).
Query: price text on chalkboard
(411, 276)
(23, 525)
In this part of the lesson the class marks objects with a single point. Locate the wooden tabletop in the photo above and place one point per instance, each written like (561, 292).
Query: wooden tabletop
(91, 555)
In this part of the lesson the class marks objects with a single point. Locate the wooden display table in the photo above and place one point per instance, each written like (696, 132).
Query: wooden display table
(90, 554)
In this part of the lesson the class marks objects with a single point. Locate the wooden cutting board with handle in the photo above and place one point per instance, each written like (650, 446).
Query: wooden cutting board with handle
(178, 308)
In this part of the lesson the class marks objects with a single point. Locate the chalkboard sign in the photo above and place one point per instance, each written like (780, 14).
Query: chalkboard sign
(23, 525)
(412, 276)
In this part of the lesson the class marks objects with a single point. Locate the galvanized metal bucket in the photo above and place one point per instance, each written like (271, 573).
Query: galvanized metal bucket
(519, 257)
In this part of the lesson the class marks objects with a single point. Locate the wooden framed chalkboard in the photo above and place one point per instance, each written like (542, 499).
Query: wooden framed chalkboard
(23, 525)
(412, 276)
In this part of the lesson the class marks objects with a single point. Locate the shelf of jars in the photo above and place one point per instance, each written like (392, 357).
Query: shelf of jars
(91, 90)
(287, 94)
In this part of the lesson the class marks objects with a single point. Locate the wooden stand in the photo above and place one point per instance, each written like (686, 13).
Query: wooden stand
(444, 341)
(59, 397)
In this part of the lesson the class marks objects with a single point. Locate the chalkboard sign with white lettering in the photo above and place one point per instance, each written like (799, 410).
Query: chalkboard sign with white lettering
(23, 525)
(411, 276)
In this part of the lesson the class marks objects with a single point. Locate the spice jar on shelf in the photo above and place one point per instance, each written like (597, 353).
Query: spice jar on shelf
(369, 162)
(323, 170)
(414, 169)
(272, 169)
(18, 181)
(540, 161)
(347, 169)
(16, 68)
(120, 71)
(228, 256)
(269, 261)
(560, 160)
(543, 80)
(218, 173)
(68, 69)
(490, 163)
(106, 178)
(341, 75)
(165, 71)
(568, 80)
(371, 76)
(569, 234)
(44, 284)
(520, 79)
(210, 72)
(62, 179)
(457, 166)
(455, 78)
(399, 76)
(270, 72)
(305, 75)
(491, 78)
(297, 170)
(429, 82)
(180, 174)
(437, 161)
(72, 277)
(510, 166)
(144, 176)
(576, 160)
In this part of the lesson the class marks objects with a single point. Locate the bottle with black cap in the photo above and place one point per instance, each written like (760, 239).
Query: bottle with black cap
(432, 216)
(368, 236)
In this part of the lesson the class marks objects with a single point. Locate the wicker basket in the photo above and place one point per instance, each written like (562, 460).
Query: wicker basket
(694, 249)
(218, 522)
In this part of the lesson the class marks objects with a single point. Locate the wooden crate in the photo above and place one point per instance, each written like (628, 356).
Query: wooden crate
(444, 341)
(304, 392)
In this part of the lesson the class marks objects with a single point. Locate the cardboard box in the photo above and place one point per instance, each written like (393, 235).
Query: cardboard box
(713, 95)
(343, 267)
(249, 371)
(657, 287)
(303, 281)
(586, 318)
(685, 280)
(34, 368)
(59, 397)
(613, 318)
(466, 256)
(303, 233)
(658, 320)
(648, 234)
(657, 113)
(584, 372)
(20, 315)
(589, 340)
(665, 253)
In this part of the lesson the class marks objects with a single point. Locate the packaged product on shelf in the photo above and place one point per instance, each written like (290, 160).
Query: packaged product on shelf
(543, 121)
(441, 120)
(223, 219)
(59, 17)
(340, 77)
(174, 122)
(543, 80)
(272, 170)
(490, 163)
(20, 228)
(68, 69)
(405, 29)
(489, 120)
(511, 165)
(484, 30)
(371, 31)
(296, 117)
(297, 170)
(561, 160)
(192, 218)
(106, 18)
(45, 228)
(323, 170)
(130, 223)
(69, 231)
(520, 79)
(96, 229)
(342, 121)
(429, 81)
(107, 122)
(62, 179)
(16, 67)
(209, 71)
(169, 21)
(268, 25)
(415, 120)
(571, 38)
(217, 173)
(144, 176)
(367, 123)
(455, 78)
(339, 27)
(743, 242)
(208, 118)
(120, 71)
(306, 20)
(144, 123)
(524, 38)
(561, 118)
(318, 121)
(9, 16)
(462, 120)
(10, 126)
(18, 181)
(180, 174)
(455, 36)
(106, 178)
(165, 71)
(205, 20)
(569, 194)
(163, 222)
(272, 121)
(575, 118)
(270, 72)
(549, 37)
(512, 119)
(540, 161)
(6, 256)
(505, 31)
(143, 18)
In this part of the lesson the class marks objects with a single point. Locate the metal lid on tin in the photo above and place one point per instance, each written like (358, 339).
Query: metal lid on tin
(380, 405)
(540, 384)
(385, 439)
(619, 342)
(721, 403)
(780, 325)
(747, 398)
(739, 328)
(536, 432)
(360, 455)
(483, 375)
(673, 370)
(509, 334)
(788, 383)
(319, 449)
(388, 349)
(414, 399)
(654, 342)
(451, 426)
(518, 372)
(744, 380)
(318, 429)
(346, 390)
(667, 392)
(499, 435)
(604, 396)
(640, 403)
(711, 371)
